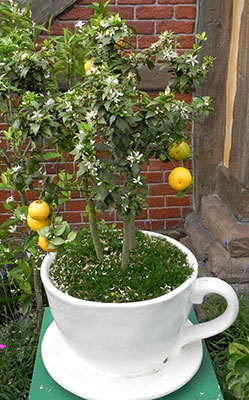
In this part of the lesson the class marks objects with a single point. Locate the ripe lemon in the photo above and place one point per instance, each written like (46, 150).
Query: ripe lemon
(180, 178)
(179, 151)
(35, 224)
(119, 44)
(44, 244)
(39, 210)
(88, 64)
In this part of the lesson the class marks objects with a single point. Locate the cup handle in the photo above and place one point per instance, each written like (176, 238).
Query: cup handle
(202, 287)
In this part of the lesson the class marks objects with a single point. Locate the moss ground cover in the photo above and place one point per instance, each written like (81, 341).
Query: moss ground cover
(156, 267)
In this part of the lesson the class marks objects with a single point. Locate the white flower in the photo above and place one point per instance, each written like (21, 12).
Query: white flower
(192, 60)
(133, 157)
(15, 169)
(37, 115)
(90, 115)
(137, 180)
(22, 217)
(12, 229)
(49, 102)
(10, 199)
(79, 25)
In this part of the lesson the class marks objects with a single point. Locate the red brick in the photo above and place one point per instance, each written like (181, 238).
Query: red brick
(175, 201)
(57, 27)
(145, 27)
(76, 13)
(157, 165)
(124, 12)
(84, 2)
(75, 205)
(166, 212)
(153, 177)
(186, 210)
(176, 1)
(4, 217)
(163, 189)
(175, 26)
(184, 97)
(186, 41)
(155, 201)
(3, 126)
(72, 217)
(146, 41)
(185, 12)
(136, 1)
(157, 225)
(154, 12)
(174, 223)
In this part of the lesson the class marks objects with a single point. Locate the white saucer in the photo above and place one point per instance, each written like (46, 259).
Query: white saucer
(69, 371)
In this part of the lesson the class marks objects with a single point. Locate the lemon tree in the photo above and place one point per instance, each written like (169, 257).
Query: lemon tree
(100, 118)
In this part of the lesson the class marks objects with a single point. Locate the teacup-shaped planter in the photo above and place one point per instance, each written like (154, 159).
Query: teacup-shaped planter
(130, 351)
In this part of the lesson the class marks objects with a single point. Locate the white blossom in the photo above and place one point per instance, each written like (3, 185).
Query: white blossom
(23, 217)
(15, 169)
(137, 181)
(12, 229)
(37, 115)
(91, 115)
(192, 60)
(49, 102)
(10, 199)
(79, 25)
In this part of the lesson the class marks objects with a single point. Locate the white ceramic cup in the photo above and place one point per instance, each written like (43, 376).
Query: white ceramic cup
(135, 338)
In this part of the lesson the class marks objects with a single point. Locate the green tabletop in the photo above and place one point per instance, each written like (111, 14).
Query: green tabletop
(203, 386)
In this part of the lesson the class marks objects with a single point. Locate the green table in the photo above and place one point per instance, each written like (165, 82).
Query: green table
(203, 386)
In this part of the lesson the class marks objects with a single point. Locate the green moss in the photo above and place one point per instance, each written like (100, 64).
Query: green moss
(155, 268)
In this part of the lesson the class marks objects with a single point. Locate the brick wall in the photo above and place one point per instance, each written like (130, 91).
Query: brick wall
(149, 18)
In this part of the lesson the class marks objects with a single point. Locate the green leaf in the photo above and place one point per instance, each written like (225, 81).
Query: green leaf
(57, 241)
(26, 304)
(50, 156)
(31, 240)
(59, 230)
(71, 236)
(121, 124)
(241, 366)
(8, 223)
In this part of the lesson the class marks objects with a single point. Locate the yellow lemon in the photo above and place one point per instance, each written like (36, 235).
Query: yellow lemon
(179, 151)
(44, 244)
(88, 64)
(36, 224)
(39, 210)
(180, 178)
(119, 44)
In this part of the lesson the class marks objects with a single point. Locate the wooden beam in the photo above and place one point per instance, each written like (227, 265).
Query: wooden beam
(42, 10)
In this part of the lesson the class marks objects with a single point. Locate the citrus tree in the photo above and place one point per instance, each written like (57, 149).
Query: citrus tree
(76, 96)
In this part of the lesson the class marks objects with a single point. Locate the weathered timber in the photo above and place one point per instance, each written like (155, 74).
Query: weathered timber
(42, 10)
(233, 193)
(215, 18)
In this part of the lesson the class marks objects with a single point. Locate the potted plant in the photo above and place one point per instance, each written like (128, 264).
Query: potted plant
(129, 331)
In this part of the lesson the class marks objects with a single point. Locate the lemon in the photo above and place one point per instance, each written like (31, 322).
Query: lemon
(179, 151)
(88, 64)
(180, 178)
(119, 44)
(36, 224)
(44, 244)
(39, 210)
